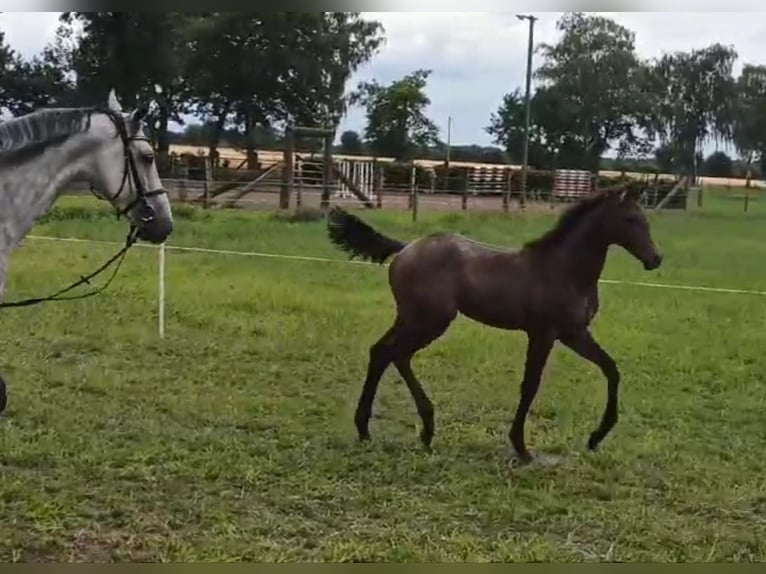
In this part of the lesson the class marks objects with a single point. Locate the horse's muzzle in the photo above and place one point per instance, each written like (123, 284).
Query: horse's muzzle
(654, 262)
(156, 230)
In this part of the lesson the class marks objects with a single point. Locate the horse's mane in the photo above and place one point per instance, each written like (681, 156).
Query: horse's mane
(42, 128)
(572, 216)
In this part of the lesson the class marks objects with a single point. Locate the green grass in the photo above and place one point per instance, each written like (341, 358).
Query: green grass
(232, 438)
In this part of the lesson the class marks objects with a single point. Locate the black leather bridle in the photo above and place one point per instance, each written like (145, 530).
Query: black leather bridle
(130, 171)
(129, 177)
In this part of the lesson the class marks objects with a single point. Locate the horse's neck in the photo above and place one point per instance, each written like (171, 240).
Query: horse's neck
(28, 190)
(584, 256)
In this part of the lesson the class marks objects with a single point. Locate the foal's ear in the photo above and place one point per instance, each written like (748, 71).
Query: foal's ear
(629, 194)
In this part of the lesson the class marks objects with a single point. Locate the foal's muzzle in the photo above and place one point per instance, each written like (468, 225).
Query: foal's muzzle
(653, 262)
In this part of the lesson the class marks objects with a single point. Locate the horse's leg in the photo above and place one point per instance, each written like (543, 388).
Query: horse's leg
(380, 357)
(3, 395)
(538, 349)
(409, 341)
(586, 346)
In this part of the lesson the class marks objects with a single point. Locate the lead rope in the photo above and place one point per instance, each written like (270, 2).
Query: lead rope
(120, 255)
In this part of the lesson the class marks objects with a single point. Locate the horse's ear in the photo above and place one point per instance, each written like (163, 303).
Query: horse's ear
(139, 113)
(112, 102)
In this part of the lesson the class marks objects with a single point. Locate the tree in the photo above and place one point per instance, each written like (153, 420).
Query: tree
(132, 52)
(397, 125)
(338, 43)
(553, 140)
(39, 82)
(350, 143)
(595, 70)
(749, 130)
(26, 85)
(506, 126)
(262, 68)
(718, 164)
(691, 95)
(7, 70)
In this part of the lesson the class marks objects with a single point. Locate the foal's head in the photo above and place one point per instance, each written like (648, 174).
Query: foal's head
(624, 223)
(609, 217)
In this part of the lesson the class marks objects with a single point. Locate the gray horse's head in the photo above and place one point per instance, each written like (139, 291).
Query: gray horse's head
(123, 171)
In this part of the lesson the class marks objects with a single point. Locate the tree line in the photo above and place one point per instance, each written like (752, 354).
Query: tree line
(247, 72)
(245, 76)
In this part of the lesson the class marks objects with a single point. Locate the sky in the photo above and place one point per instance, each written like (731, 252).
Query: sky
(477, 57)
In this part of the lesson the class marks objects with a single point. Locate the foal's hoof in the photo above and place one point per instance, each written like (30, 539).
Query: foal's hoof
(593, 442)
(518, 461)
(426, 439)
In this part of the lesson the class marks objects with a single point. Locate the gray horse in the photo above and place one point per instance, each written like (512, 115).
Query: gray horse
(42, 152)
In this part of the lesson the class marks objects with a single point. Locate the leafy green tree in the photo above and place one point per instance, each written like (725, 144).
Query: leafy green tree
(351, 143)
(595, 71)
(7, 71)
(132, 52)
(749, 130)
(334, 45)
(552, 141)
(397, 124)
(718, 164)
(691, 96)
(26, 85)
(506, 126)
(255, 69)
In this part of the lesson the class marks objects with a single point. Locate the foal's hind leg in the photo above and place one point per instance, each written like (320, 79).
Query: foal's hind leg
(586, 346)
(398, 345)
(380, 357)
(408, 341)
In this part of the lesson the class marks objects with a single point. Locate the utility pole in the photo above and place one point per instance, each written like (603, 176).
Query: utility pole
(530, 49)
(449, 137)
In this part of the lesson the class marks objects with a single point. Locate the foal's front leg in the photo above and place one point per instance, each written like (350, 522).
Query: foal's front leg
(538, 349)
(3, 395)
(586, 346)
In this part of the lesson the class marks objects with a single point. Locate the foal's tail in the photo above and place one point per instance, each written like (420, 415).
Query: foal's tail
(354, 236)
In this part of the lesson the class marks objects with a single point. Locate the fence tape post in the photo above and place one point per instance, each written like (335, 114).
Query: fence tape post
(161, 295)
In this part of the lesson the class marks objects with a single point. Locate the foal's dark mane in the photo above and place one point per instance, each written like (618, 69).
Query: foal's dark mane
(571, 217)
(35, 132)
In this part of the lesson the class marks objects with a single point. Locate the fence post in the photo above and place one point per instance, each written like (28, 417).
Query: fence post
(328, 173)
(299, 184)
(413, 193)
(464, 198)
(287, 179)
(206, 183)
(377, 183)
(507, 191)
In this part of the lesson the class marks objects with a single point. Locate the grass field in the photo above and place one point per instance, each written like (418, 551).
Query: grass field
(232, 438)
